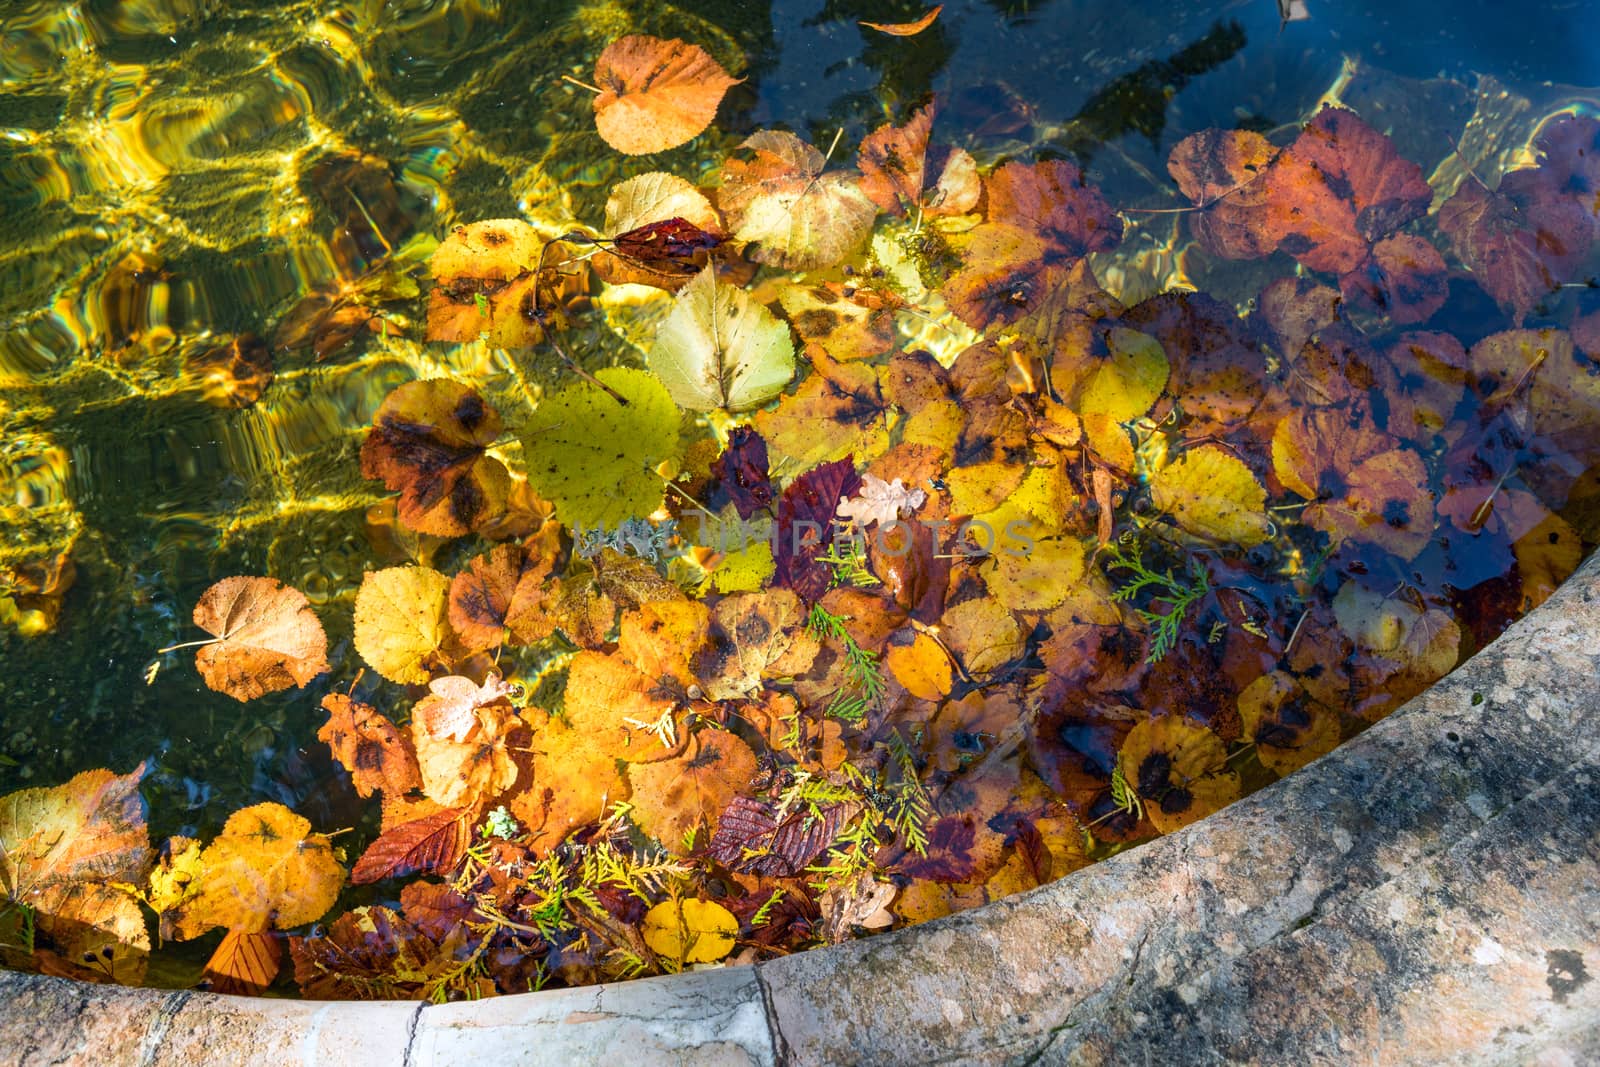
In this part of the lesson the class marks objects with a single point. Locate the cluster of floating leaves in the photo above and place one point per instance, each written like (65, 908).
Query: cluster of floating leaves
(1121, 564)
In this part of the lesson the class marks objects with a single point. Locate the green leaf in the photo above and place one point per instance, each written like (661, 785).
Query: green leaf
(596, 458)
(721, 349)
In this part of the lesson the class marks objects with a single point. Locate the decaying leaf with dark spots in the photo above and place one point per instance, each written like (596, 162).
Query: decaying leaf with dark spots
(805, 518)
(739, 475)
(498, 589)
(369, 746)
(429, 440)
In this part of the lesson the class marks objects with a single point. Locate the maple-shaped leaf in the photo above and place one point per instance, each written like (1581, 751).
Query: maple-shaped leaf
(661, 227)
(432, 843)
(266, 870)
(401, 622)
(656, 94)
(790, 211)
(751, 837)
(69, 853)
(267, 637)
(673, 797)
(739, 475)
(878, 501)
(369, 746)
(429, 440)
(1339, 189)
(244, 963)
(805, 517)
(718, 348)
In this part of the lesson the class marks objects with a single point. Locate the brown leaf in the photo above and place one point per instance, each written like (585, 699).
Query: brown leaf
(656, 94)
(892, 162)
(906, 29)
(369, 746)
(1404, 278)
(790, 211)
(233, 375)
(673, 797)
(243, 964)
(429, 440)
(483, 595)
(1223, 172)
(267, 637)
(432, 843)
(752, 839)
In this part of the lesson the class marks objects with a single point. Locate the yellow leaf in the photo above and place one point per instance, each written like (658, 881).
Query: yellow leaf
(1211, 494)
(690, 931)
(1180, 770)
(174, 878)
(721, 349)
(402, 621)
(1038, 580)
(1125, 386)
(744, 571)
(922, 667)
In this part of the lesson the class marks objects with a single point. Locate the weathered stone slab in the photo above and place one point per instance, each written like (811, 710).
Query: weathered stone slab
(712, 1018)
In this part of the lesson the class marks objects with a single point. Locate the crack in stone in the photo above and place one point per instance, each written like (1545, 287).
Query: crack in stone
(781, 1052)
(412, 1024)
(155, 1034)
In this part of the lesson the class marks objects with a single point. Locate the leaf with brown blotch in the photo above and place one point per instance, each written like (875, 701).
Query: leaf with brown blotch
(486, 278)
(1179, 770)
(1288, 727)
(849, 323)
(435, 909)
(483, 595)
(1339, 189)
(244, 963)
(369, 746)
(656, 94)
(1423, 380)
(1006, 273)
(752, 839)
(432, 843)
(1223, 172)
(646, 248)
(843, 398)
(429, 440)
(450, 710)
(672, 797)
(1218, 363)
(1052, 199)
(1385, 502)
(893, 161)
(401, 624)
(586, 601)
(267, 637)
(265, 870)
(1314, 449)
(792, 212)
(754, 637)
(67, 852)
(1404, 277)
(474, 770)
(808, 505)
(906, 29)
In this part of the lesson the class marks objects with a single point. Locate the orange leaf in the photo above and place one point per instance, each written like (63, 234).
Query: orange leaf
(906, 29)
(893, 160)
(482, 596)
(369, 746)
(244, 963)
(783, 203)
(573, 784)
(268, 638)
(475, 769)
(487, 283)
(432, 843)
(428, 440)
(673, 797)
(656, 94)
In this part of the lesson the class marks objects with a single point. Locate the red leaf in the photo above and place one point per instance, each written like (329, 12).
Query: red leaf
(740, 475)
(949, 855)
(805, 526)
(434, 909)
(432, 843)
(750, 839)
(1522, 241)
(1404, 278)
(673, 246)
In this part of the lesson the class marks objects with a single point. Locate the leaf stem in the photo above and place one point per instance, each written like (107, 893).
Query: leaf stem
(595, 89)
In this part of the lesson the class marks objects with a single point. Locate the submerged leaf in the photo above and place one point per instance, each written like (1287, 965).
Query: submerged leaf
(656, 94)
(1211, 494)
(672, 798)
(369, 746)
(1180, 771)
(721, 349)
(267, 637)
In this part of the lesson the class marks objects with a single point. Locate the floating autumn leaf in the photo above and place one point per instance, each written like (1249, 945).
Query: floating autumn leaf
(1038, 578)
(67, 854)
(906, 29)
(1117, 389)
(1223, 172)
(1385, 502)
(1042, 220)
(983, 633)
(367, 953)
(754, 837)
(690, 931)
(1397, 647)
(1546, 556)
(1179, 770)
(450, 710)
(369, 746)
(646, 247)
(485, 284)
(432, 843)
(921, 665)
(267, 638)
(807, 508)
(656, 94)
(754, 637)
(401, 624)
(573, 783)
(429, 440)
(1339, 189)
(1218, 371)
(881, 502)
(673, 797)
(1289, 727)
(720, 349)
(478, 767)
(843, 398)
(892, 162)
(244, 964)
(266, 870)
(793, 213)
(500, 595)
(847, 323)
(863, 902)
(739, 475)
(1212, 494)
(626, 703)
(589, 597)
(597, 458)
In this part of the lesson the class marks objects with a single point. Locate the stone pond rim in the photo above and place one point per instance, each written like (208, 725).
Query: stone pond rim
(1429, 892)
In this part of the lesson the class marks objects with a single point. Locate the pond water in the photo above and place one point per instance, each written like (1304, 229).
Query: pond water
(1358, 458)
